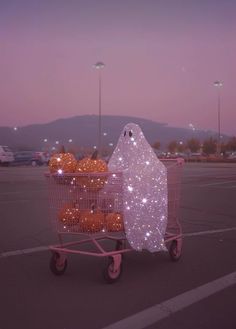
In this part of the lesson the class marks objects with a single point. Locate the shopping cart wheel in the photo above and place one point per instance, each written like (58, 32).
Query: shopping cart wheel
(175, 250)
(58, 264)
(113, 269)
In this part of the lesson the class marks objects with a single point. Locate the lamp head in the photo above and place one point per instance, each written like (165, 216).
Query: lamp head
(218, 84)
(99, 65)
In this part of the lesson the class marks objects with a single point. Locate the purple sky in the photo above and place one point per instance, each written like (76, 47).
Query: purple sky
(161, 56)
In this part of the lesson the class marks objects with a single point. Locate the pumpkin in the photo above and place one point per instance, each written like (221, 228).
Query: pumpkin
(114, 222)
(91, 220)
(62, 162)
(91, 165)
(69, 215)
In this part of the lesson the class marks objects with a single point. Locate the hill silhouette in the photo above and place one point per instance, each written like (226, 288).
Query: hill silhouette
(83, 130)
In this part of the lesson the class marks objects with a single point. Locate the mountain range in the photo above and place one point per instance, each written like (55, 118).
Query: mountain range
(82, 131)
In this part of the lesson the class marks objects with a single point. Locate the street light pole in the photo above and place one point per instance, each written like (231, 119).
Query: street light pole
(218, 84)
(99, 66)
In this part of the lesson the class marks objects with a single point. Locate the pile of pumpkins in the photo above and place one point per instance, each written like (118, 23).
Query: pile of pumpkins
(66, 163)
(89, 220)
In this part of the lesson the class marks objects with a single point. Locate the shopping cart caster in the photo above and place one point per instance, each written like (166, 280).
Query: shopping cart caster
(58, 263)
(113, 269)
(175, 250)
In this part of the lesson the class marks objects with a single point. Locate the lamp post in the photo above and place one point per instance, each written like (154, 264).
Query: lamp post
(218, 84)
(99, 66)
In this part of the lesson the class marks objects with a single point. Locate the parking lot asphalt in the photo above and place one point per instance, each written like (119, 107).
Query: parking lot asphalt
(31, 297)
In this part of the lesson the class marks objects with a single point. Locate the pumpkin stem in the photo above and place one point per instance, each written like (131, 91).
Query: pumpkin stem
(94, 155)
(62, 149)
(93, 208)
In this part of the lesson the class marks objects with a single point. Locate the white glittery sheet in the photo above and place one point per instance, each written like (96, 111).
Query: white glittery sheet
(144, 190)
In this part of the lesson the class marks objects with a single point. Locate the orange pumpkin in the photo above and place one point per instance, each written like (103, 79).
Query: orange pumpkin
(69, 215)
(62, 163)
(91, 220)
(114, 222)
(91, 165)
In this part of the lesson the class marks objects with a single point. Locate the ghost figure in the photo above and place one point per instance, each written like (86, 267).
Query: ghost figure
(144, 190)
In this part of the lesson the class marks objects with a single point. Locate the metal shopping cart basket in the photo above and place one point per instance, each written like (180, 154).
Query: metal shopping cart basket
(89, 208)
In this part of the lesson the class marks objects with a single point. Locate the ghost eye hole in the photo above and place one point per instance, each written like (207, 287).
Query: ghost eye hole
(124, 132)
(130, 133)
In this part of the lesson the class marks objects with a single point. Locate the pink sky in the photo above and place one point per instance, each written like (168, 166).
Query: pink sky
(161, 56)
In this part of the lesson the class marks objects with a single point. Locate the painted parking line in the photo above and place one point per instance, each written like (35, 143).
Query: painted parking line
(45, 248)
(210, 232)
(167, 308)
(21, 252)
(218, 183)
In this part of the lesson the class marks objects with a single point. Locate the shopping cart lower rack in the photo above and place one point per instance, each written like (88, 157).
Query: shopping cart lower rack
(89, 207)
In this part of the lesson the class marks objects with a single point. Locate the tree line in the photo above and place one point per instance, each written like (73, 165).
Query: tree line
(193, 145)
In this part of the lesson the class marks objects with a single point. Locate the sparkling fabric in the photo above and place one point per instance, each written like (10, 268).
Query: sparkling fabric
(144, 190)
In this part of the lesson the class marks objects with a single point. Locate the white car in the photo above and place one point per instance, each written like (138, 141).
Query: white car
(6, 155)
(232, 156)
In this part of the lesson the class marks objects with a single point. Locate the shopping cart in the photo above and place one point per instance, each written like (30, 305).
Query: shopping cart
(89, 207)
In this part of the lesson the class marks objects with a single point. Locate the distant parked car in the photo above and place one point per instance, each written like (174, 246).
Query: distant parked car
(41, 157)
(197, 157)
(232, 156)
(159, 154)
(29, 158)
(6, 155)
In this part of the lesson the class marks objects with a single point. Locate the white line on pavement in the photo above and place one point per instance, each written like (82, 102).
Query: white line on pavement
(163, 310)
(218, 183)
(44, 248)
(23, 251)
(210, 232)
